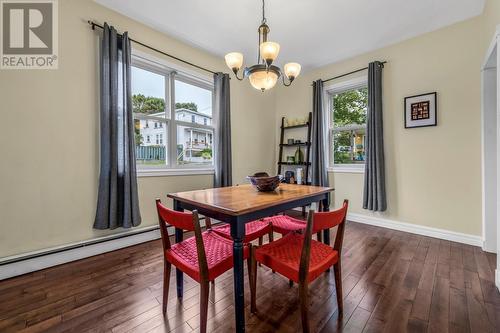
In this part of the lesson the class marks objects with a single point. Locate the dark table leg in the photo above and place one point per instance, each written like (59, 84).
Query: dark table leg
(179, 235)
(238, 234)
(326, 208)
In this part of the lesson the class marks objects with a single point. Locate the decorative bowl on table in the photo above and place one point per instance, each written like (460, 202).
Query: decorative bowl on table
(265, 183)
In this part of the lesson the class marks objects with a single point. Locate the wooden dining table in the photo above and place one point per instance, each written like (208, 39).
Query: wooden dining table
(238, 205)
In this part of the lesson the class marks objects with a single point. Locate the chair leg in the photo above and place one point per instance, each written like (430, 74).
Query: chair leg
(253, 280)
(270, 236)
(261, 241)
(319, 237)
(338, 286)
(204, 292)
(304, 311)
(167, 267)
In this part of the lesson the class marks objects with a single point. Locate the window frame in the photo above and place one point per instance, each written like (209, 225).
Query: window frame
(173, 72)
(329, 92)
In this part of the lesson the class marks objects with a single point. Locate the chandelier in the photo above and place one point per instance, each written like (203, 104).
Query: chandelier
(264, 74)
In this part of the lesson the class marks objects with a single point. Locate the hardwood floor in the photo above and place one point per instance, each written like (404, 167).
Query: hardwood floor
(392, 282)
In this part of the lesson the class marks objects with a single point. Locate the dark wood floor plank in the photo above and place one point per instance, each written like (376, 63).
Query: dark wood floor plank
(459, 319)
(433, 252)
(357, 321)
(390, 299)
(421, 304)
(468, 258)
(398, 320)
(440, 305)
(416, 326)
(483, 265)
(478, 317)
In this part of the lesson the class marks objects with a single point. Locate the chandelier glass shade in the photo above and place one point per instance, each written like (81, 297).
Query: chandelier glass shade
(263, 75)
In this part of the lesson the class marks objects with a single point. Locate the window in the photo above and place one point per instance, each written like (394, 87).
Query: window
(347, 105)
(194, 139)
(180, 107)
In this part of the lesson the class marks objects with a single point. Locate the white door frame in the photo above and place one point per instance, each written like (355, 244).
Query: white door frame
(490, 141)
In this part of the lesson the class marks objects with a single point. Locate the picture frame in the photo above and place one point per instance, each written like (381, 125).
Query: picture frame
(420, 110)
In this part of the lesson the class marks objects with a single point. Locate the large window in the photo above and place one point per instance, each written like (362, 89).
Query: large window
(173, 118)
(347, 103)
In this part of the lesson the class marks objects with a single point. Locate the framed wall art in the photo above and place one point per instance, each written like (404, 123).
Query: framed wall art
(421, 110)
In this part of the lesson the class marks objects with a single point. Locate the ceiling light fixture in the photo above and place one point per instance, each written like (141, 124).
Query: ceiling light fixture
(264, 74)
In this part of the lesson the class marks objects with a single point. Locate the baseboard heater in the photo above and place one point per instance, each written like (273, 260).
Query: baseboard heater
(37, 260)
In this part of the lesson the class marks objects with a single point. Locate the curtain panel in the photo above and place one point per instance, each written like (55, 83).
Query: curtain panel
(118, 202)
(319, 157)
(374, 195)
(223, 158)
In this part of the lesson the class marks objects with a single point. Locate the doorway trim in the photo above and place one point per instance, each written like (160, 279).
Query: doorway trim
(490, 149)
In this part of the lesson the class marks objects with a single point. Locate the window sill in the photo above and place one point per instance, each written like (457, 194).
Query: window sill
(174, 172)
(347, 169)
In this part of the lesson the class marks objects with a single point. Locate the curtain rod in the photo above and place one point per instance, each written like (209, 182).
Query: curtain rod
(96, 25)
(346, 74)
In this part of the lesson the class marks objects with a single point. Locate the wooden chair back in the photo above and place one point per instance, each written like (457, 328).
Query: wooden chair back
(185, 221)
(317, 222)
(328, 220)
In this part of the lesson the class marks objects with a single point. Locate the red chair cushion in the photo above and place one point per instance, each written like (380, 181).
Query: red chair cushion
(253, 230)
(284, 224)
(283, 256)
(218, 250)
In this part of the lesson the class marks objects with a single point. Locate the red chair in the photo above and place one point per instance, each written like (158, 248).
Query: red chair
(284, 224)
(203, 257)
(253, 230)
(302, 259)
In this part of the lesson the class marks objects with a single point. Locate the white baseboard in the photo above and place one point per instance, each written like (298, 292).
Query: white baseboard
(76, 251)
(491, 248)
(417, 229)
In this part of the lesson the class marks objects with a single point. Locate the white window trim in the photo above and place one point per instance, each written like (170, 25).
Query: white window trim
(348, 168)
(328, 91)
(174, 172)
(163, 67)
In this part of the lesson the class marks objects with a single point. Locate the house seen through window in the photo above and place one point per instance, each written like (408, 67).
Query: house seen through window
(182, 134)
(348, 110)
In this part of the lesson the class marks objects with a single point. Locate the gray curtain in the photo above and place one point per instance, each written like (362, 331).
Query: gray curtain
(118, 203)
(223, 165)
(319, 173)
(374, 196)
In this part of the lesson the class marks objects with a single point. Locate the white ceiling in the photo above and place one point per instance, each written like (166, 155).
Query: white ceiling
(311, 32)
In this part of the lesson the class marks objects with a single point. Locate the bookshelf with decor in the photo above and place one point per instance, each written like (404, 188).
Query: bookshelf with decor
(300, 159)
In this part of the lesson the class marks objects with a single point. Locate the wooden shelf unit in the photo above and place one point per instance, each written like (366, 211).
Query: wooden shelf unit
(307, 145)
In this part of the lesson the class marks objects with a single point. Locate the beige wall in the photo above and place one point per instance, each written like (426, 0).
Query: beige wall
(49, 137)
(434, 173)
(491, 20)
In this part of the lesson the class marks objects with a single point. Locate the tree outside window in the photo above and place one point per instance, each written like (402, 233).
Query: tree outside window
(349, 110)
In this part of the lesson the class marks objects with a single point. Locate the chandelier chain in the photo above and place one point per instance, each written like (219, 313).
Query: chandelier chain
(263, 12)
